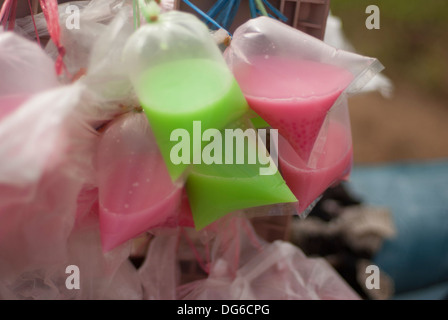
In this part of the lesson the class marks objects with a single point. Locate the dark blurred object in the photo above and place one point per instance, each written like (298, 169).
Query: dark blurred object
(417, 195)
(333, 200)
(348, 234)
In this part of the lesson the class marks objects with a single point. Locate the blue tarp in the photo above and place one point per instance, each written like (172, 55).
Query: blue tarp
(435, 292)
(417, 195)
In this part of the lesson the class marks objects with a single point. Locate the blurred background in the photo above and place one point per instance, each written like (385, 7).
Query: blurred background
(412, 43)
(401, 142)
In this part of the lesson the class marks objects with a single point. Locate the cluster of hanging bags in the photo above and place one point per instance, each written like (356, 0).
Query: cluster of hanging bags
(87, 163)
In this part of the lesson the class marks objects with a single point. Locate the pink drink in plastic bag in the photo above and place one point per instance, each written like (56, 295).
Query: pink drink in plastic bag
(300, 91)
(136, 192)
(331, 158)
(295, 83)
(292, 79)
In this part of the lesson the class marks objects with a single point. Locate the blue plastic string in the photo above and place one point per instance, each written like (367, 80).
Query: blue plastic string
(234, 11)
(204, 15)
(217, 7)
(223, 12)
(253, 9)
(276, 12)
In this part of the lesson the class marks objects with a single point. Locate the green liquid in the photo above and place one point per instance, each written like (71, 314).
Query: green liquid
(218, 189)
(177, 93)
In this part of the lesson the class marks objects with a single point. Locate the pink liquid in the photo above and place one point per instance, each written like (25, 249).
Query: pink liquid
(292, 95)
(136, 193)
(333, 165)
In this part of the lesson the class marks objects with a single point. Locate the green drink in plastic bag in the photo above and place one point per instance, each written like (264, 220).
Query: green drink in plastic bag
(180, 76)
(175, 94)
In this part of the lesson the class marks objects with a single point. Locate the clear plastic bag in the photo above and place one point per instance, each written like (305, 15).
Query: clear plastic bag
(334, 36)
(160, 273)
(136, 192)
(180, 76)
(93, 52)
(245, 268)
(81, 25)
(292, 79)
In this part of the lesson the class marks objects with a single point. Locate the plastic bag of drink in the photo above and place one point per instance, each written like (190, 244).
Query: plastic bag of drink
(180, 76)
(330, 162)
(238, 173)
(292, 79)
(136, 192)
(298, 85)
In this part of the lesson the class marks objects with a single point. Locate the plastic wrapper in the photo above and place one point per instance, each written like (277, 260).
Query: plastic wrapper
(136, 192)
(160, 273)
(335, 37)
(280, 272)
(280, 71)
(180, 76)
(242, 267)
